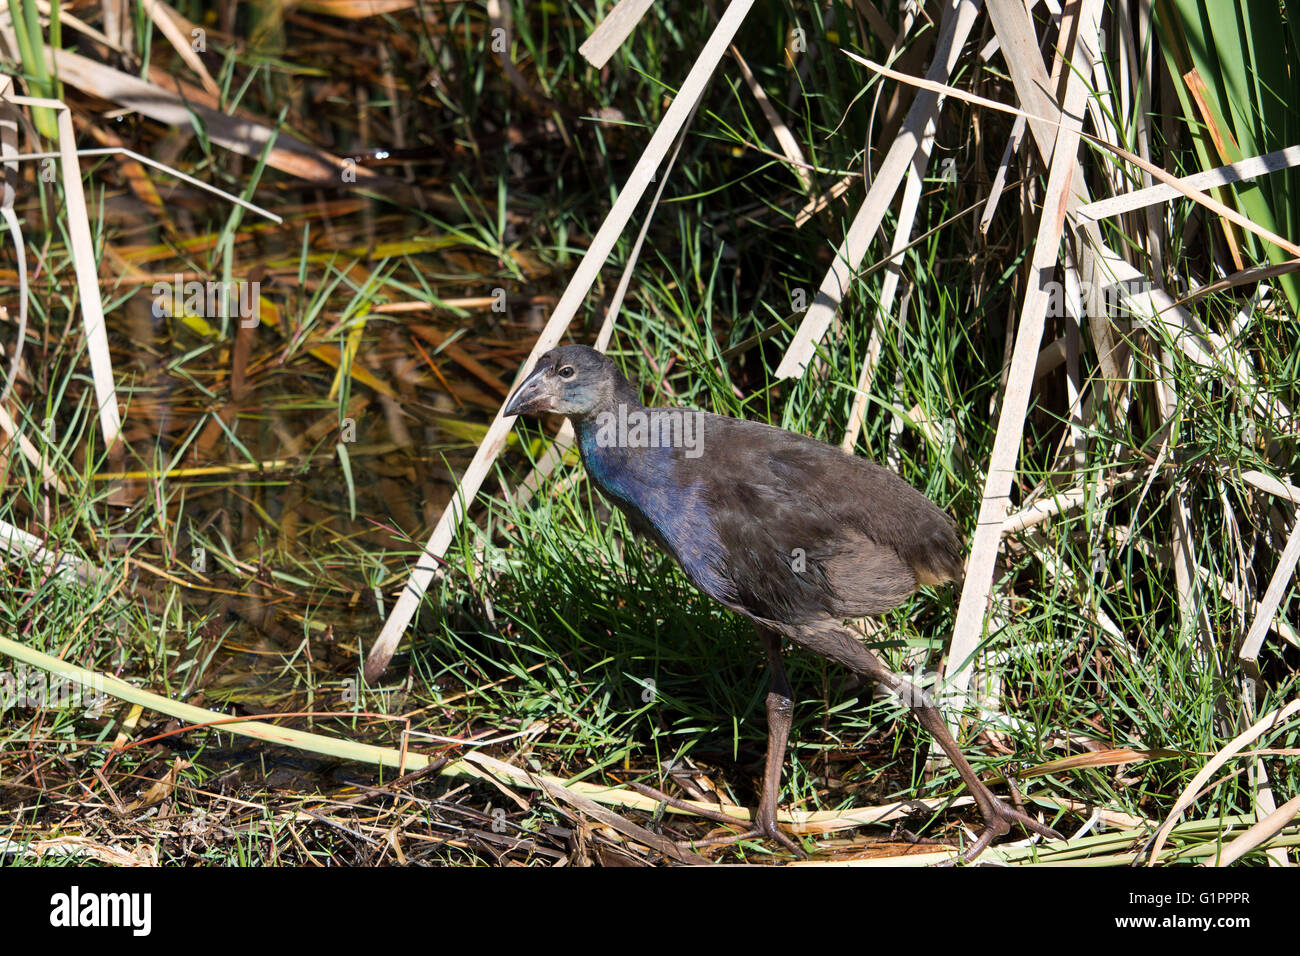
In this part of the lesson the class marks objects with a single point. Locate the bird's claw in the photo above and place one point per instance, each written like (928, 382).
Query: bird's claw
(998, 820)
(755, 833)
(765, 826)
(770, 830)
(761, 830)
(1007, 816)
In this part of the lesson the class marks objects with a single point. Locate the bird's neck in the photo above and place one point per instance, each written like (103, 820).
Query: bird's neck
(608, 438)
(645, 460)
(601, 433)
(616, 399)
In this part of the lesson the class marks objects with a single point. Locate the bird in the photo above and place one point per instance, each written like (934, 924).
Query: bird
(792, 533)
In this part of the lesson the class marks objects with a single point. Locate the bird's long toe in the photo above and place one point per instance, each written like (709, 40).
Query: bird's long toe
(1009, 816)
(758, 832)
(999, 818)
(770, 829)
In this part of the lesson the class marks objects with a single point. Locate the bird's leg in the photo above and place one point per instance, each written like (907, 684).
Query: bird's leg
(998, 816)
(839, 644)
(780, 710)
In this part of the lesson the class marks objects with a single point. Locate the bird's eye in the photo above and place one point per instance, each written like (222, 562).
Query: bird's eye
(566, 372)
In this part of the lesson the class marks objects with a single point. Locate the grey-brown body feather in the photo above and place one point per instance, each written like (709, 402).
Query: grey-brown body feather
(810, 532)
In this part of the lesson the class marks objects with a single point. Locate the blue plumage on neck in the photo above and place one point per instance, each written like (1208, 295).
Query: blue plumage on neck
(651, 487)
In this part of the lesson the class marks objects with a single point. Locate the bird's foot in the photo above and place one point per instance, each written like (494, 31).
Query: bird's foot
(1006, 816)
(757, 832)
(765, 826)
(998, 820)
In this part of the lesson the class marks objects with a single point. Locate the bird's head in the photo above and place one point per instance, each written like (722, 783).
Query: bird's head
(573, 380)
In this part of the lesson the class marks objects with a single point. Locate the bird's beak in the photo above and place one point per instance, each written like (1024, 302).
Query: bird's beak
(530, 398)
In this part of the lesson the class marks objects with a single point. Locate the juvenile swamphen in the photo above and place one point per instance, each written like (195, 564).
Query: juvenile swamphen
(792, 533)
